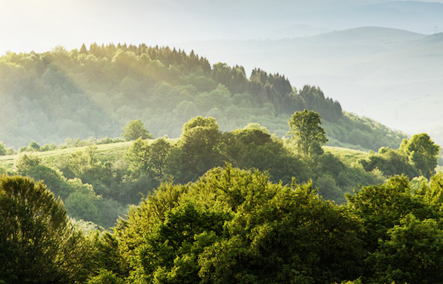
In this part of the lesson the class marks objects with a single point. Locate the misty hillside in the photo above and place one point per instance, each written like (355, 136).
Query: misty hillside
(93, 92)
(370, 70)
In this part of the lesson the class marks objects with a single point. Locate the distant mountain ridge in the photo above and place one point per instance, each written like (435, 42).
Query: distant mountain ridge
(370, 70)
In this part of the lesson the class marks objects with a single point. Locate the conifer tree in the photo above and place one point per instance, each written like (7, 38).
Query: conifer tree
(83, 49)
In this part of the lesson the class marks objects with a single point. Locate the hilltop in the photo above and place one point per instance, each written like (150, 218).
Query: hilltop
(93, 92)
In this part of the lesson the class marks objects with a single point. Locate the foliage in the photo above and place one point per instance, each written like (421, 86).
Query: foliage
(415, 157)
(422, 153)
(309, 135)
(135, 129)
(105, 277)
(148, 158)
(236, 226)
(24, 162)
(2, 149)
(391, 163)
(49, 96)
(37, 242)
(411, 253)
(197, 151)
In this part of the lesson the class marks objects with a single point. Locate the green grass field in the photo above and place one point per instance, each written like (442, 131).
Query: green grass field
(109, 152)
(348, 156)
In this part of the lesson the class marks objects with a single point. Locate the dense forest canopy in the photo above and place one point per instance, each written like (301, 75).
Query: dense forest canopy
(93, 92)
(230, 226)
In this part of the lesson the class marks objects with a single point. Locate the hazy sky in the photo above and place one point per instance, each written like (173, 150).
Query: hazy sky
(40, 25)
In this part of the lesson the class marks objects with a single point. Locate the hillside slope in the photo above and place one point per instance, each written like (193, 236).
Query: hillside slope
(370, 71)
(48, 97)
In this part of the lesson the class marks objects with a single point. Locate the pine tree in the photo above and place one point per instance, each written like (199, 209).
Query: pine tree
(83, 49)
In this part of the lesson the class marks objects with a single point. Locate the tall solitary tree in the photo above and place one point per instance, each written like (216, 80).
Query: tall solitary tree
(308, 134)
(134, 130)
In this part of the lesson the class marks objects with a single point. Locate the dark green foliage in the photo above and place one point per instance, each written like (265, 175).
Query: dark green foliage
(402, 230)
(54, 180)
(37, 242)
(411, 253)
(391, 163)
(309, 136)
(197, 151)
(422, 153)
(254, 148)
(148, 159)
(171, 251)
(236, 226)
(415, 157)
(313, 98)
(230, 225)
(277, 235)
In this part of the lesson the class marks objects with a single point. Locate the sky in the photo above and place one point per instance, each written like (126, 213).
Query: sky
(41, 25)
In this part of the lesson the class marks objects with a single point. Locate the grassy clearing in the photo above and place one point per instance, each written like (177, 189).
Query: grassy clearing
(348, 156)
(108, 152)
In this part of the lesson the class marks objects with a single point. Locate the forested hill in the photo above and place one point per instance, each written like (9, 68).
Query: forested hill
(93, 92)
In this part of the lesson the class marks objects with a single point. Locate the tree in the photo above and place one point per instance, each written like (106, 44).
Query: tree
(134, 130)
(24, 162)
(2, 149)
(197, 151)
(411, 254)
(148, 159)
(309, 135)
(33, 146)
(235, 226)
(38, 244)
(422, 152)
(390, 162)
(83, 49)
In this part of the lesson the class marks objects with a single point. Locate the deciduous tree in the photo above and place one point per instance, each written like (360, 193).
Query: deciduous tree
(309, 135)
(37, 242)
(134, 130)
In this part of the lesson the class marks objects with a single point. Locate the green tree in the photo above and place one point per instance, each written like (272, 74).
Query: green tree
(235, 226)
(134, 130)
(148, 159)
(2, 149)
(390, 162)
(382, 208)
(53, 179)
(422, 152)
(308, 134)
(170, 252)
(278, 234)
(105, 277)
(33, 146)
(24, 162)
(83, 49)
(198, 150)
(37, 242)
(411, 253)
